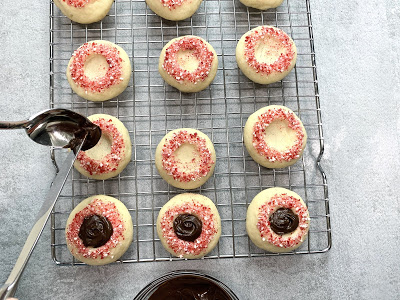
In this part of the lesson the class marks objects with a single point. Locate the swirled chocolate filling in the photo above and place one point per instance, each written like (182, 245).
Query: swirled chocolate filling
(188, 287)
(187, 227)
(95, 231)
(283, 220)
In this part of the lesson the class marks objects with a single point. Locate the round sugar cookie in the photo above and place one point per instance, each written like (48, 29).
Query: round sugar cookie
(84, 11)
(189, 226)
(188, 63)
(262, 4)
(185, 158)
(275, 137)
(111, 154)
(266, 54)
(99, 70)
(99, 230)
(174, 10)
(277, 220)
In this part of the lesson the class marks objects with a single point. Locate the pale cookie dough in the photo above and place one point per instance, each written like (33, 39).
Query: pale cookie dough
(118, 217)
(111, 154)
(193, 205)
(188, 63)
(84, 11)
(185, 158)
(266, 54)
(262, 212)
(174, 10)
(262, 4)
(99, 70)
(275, 137)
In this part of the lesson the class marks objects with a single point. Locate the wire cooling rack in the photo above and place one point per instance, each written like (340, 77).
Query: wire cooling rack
(149, 108)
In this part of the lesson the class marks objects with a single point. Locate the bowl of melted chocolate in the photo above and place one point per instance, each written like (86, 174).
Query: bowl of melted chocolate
(186, 285)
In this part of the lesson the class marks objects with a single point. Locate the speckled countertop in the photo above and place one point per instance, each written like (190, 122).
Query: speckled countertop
(358, 57)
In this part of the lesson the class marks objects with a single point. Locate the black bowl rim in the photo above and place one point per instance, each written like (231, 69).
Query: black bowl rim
(146, 292)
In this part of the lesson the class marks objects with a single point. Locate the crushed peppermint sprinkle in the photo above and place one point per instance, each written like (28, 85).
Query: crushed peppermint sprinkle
(199, 245)
(284, 60)
(267, 209)
(113, 74)
(260, 126)
(109, 162)
(102, 208)
(200, 51)
(172, 4)
(174, 167)
(77, 3)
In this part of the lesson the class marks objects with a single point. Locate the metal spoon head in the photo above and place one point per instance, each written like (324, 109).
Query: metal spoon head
(62, 128)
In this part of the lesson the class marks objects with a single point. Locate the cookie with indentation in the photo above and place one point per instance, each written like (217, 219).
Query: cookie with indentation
(84, 11)
(111, 154)
(262, 4)
(185, 158)
(266, 54)
(275, 137)
(174, 10)
(188, 63)
(99, 70)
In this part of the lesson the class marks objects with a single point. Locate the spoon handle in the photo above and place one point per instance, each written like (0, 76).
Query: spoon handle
(10, 286)
(14, 125)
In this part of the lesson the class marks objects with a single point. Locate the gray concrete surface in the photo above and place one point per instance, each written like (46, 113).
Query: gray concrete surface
(358, 57)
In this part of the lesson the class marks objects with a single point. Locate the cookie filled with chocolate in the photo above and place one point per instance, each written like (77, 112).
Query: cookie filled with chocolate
(189, 225)
(277, 220)
(99, 230)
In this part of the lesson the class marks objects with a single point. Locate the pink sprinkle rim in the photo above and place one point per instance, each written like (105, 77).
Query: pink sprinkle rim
(267, 209)
(102, 208)
(172, 4)
(209, 230)
(77, 3)
(172, 144)
(260, 126)
(200, 51)
(284, 60)
(113, 75)
(110, 162)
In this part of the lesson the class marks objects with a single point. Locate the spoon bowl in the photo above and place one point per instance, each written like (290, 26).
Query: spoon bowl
(60, 128)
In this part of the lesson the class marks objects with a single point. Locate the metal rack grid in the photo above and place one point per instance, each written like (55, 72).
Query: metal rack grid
(149, 108)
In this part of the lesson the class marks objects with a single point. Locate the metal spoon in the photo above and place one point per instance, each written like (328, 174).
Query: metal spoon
(61, 128)
(58, 128)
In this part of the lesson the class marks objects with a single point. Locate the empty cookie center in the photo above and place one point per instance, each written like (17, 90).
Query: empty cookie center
(268, 50)
(102, 148)
(187, 60)
(187, 156)
(278, 135)
(96, 66)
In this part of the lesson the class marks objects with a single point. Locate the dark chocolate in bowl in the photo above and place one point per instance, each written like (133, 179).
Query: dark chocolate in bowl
(186, 285)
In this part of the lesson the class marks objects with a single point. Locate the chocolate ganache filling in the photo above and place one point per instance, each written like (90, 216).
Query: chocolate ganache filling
(187, 227)
(283, 220)
(95, 231)
(188, 287)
